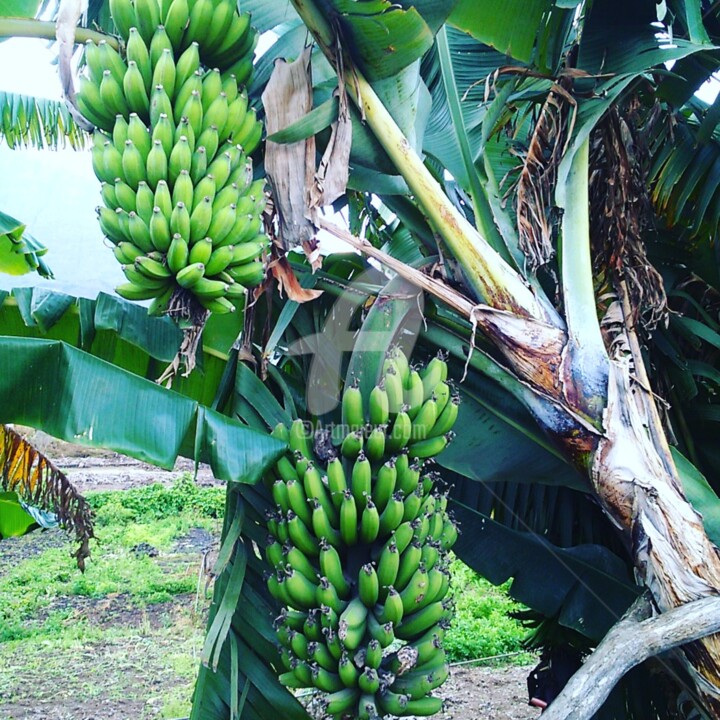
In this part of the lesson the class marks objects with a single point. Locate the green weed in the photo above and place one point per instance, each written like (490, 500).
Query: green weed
(481, 626)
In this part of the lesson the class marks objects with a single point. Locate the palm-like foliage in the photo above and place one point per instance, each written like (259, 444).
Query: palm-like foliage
(487, 99)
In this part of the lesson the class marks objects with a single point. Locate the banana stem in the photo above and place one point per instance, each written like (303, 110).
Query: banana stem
(587, 359)
(492, 279)
(481, 207)
(45, 30)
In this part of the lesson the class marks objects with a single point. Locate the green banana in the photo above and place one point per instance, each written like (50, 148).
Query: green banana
(413, 503)
(388, 567)
(414, 591)
(348, 673)
(403, 536)
(123, 16)
(361, 480)
(250, 275)
(163, 199)
(369, 523)
(139, 233)
(348, 519)
(375, 445)
(331, 567)
(190, 274)
(325, 680)
(301, 536)
(125, 196)
(219, 260)
(382, 633)
(409, 476)
(446, 420)
(175, 22)
(378, 405)
(201, 250)
(430, 447)
(159, 43)
(119, 132)
(112, 95)
(392, 516)
(315, 489)
(130, 291)
(434, 373)
(147, 18)
(340, 703)
(187, 65)
(180, 222)
(321, 525)
(137, 52)
(139, 134)
(327, 594)
(164, 72)
(160, 234)
(392, 609)
(337, 482)
(401, 432)
(242, 254)
(110, 224)
(144, 201)
(409, 563)
(368, 585)
(420, 621)
(367, 708)
(352, 407)
(384, 485)
(156, 165)
(320, 654)
(394, 389)
(369, 681)
(177, 254)
(133, 165)
(297, 560)
(300, 590)
(413, 393)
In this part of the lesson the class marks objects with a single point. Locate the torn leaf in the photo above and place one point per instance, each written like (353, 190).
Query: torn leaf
(290, 167)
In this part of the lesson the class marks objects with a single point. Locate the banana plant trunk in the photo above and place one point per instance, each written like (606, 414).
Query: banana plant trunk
(587, 397)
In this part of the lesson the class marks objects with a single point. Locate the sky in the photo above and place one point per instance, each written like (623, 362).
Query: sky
(53, 192)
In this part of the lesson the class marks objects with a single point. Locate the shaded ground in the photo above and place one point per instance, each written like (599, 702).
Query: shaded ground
(122, 659)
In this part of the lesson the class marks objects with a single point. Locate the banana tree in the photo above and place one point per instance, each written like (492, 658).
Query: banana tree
(518, 164)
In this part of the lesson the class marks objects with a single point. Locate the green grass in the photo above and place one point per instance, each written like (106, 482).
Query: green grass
(128, 626)
(481, 627)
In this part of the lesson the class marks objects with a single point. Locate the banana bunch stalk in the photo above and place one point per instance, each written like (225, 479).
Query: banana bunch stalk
(358, 549)
(172, 150)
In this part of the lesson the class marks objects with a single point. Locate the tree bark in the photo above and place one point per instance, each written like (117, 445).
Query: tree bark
(634, 639)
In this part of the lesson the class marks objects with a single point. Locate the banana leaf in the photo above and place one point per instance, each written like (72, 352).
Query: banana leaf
(68, 393)
(20, 252)
(586, 587)
(27, 121)
(14, 519)
(122, 333)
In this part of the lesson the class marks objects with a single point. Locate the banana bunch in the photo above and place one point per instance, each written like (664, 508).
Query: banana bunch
(358, 549)
(172, 150)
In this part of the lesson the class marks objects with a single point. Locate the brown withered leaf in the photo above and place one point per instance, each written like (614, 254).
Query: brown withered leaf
(27, 472)
(288, 282)
(331, 178)
(623, 216)
(290, 167)
(539, 172)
